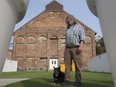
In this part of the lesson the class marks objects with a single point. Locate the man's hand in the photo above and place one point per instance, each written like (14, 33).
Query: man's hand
(79, 50)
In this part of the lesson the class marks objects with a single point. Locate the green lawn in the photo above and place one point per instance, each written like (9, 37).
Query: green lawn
(44, 79)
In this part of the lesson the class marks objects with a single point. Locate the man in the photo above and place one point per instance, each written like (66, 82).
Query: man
(75, 36)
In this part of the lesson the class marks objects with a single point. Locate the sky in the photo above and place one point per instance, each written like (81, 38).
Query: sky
(78, 8)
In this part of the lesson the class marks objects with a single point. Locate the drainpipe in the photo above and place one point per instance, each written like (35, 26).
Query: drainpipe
(11, 12)
(106, 12)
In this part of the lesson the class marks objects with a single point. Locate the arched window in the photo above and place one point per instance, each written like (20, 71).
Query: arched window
(31, 47)
(20, 39)
(19, 46)
(63, 40)
(42, 46)
(42, 38)
(53, 45)
(88, 39)
(31, 40)
(53, 37)
(62, 46)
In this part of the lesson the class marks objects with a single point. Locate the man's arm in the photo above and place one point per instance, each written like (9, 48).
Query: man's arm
(80, 47)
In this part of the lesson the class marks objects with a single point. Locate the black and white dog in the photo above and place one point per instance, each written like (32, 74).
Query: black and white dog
(58, 75)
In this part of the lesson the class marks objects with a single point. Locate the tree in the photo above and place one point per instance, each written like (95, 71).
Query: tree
(100, 46)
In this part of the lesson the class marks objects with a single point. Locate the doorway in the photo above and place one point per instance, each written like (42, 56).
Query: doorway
(53, 63)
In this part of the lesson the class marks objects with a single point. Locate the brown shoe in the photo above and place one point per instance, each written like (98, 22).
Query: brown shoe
(65, 83)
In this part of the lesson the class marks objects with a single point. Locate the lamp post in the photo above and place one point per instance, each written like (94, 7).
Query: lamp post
(106, 10)
(11, 12)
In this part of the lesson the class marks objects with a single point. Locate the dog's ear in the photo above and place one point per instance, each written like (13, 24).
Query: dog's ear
(53, 67)
(59, 68)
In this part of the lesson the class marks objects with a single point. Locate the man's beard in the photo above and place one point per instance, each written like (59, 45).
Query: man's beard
(72, 23)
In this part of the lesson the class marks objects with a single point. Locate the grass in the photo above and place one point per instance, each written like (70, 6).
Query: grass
(44, 79)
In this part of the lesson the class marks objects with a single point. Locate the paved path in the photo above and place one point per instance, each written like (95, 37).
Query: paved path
(6, 81)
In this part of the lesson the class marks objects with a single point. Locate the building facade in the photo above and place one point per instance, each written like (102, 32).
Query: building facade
(40, 43)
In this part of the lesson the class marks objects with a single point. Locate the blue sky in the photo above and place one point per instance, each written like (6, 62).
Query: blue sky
(77, 8)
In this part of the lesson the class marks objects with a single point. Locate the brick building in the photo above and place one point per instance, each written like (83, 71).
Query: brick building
(40, 43)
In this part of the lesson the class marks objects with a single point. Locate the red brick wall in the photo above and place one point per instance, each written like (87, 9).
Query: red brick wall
(44, 36)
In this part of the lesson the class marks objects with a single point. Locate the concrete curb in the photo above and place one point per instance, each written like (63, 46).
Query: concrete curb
(7, 81)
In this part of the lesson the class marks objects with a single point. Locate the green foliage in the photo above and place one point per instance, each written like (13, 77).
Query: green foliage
(100, 46)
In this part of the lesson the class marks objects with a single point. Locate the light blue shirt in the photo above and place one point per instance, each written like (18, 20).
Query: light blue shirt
(74, 35)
